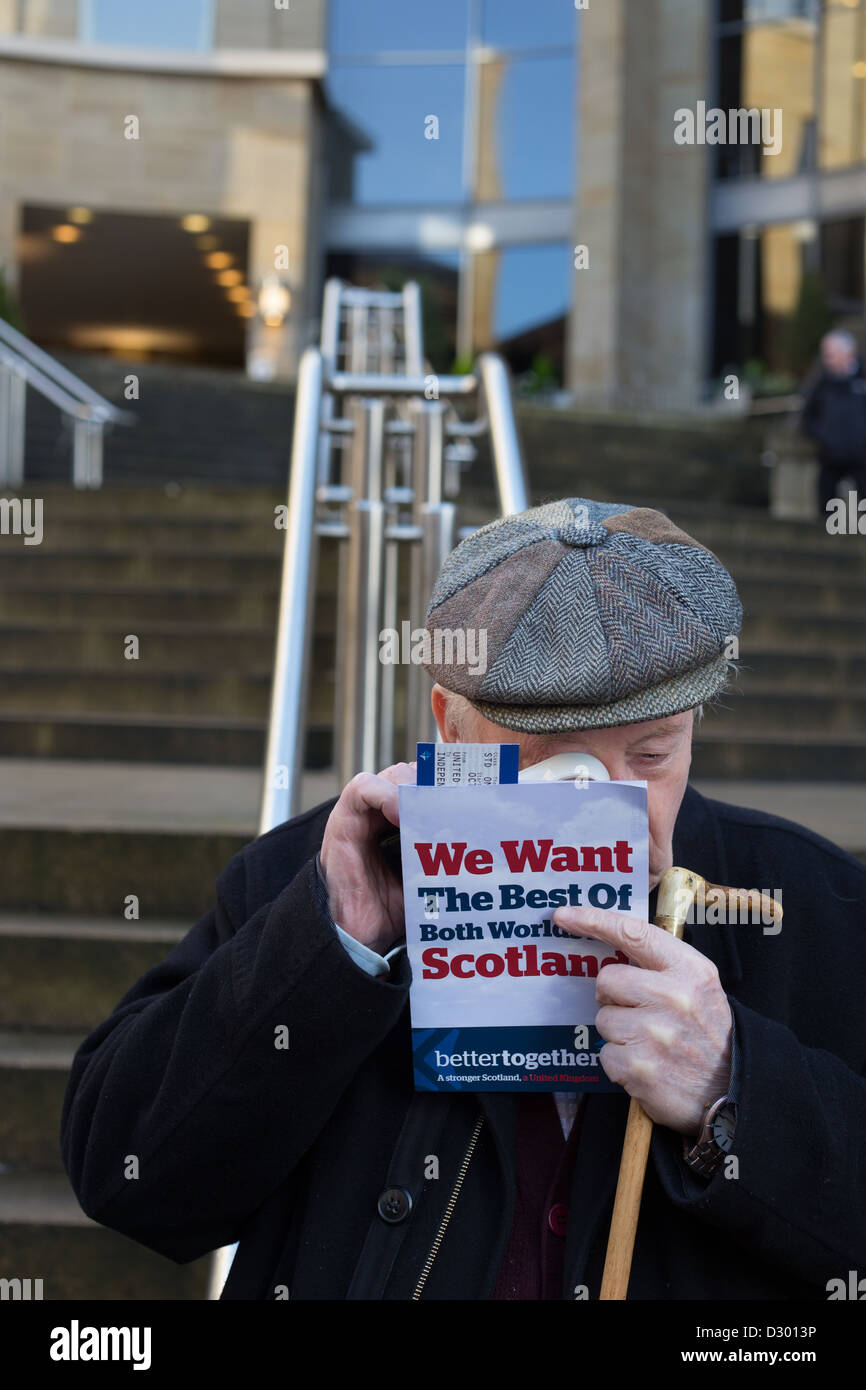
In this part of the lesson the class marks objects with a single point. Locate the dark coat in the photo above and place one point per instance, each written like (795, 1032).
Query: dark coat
(834, 415)
(288, 1151)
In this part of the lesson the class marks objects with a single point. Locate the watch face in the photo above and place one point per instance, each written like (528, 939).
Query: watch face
(723, 1128)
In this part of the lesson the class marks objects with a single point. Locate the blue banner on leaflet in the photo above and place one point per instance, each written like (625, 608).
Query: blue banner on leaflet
(509, 1059)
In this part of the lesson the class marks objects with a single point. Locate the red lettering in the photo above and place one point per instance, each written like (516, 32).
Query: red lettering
(517, 858)
(479, 861)
(490, 966)
(462, 974)
(436, 957)
(623, 853)
(439, 860)
(585, 966)
(591, 854)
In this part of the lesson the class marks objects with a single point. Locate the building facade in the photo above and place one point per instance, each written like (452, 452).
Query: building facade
(177, 179)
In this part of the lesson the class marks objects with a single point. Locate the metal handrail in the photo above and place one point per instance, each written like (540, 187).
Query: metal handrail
(23, 364)
(49, 367)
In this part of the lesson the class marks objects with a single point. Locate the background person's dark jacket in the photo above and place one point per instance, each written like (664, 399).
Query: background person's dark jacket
(834, 415)
(288, 1151)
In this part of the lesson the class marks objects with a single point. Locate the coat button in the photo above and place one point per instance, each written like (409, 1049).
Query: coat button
(557, 1218)
(394, 1205)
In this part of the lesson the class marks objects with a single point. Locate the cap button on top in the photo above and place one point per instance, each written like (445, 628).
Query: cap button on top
(394, 1205)
(577, 533)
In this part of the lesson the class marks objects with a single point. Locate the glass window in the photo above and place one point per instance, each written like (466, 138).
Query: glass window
(527, 129)
(516, 24)
(534, 286)
(843, 114)
(773, 300)
(391, 105)
(778, 73)
(769, 67)
(382, 26)
(180, 24)
(843, 261)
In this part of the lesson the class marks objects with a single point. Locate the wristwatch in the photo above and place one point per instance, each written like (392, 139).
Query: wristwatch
(715, 1140)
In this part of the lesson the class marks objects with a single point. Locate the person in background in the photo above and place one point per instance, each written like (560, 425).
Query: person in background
(834, 415)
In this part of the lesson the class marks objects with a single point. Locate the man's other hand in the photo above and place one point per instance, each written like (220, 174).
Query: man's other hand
(665, 1017)
(364, 897)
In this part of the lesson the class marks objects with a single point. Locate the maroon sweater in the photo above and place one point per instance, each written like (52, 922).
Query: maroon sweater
(533, 1263)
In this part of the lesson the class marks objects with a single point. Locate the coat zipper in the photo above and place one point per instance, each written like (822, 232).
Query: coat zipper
(452, 1201)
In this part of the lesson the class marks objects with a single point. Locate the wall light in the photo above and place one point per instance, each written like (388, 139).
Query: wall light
(66, 233)
(274, 300)
(195, 222)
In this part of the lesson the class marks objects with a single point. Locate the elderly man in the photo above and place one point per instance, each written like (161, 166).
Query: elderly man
(834, 415)
(607, 628)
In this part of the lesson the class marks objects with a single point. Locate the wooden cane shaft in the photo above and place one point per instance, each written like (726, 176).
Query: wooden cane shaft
(626, 1206)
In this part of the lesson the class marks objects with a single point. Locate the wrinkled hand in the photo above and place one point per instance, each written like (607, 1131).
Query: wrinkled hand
(665, 1017)
(364, 897)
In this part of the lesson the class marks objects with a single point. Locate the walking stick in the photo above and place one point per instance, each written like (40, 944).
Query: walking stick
(678, 889)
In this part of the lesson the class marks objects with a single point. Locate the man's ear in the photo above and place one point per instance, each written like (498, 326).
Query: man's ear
(441, 706)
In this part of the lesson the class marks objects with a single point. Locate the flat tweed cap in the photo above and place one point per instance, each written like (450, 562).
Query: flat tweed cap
(596, 613)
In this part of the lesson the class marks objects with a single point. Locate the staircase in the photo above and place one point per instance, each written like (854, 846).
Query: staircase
(142, 776)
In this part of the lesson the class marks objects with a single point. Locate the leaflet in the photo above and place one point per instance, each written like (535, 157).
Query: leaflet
(502, 998)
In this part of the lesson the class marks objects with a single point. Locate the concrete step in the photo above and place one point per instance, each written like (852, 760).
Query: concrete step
(80, 838)
(68, 973)
(166, 602)
(806, 627)
(780, 755)
(138, 566)
(772, 593)
(92, 873)
(132, 688)
(34, 1069)
(224, 534)
(45, 1235)
(128, 501)
(54, 646)
(215, 741)
(786, 670)
(752, 706)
